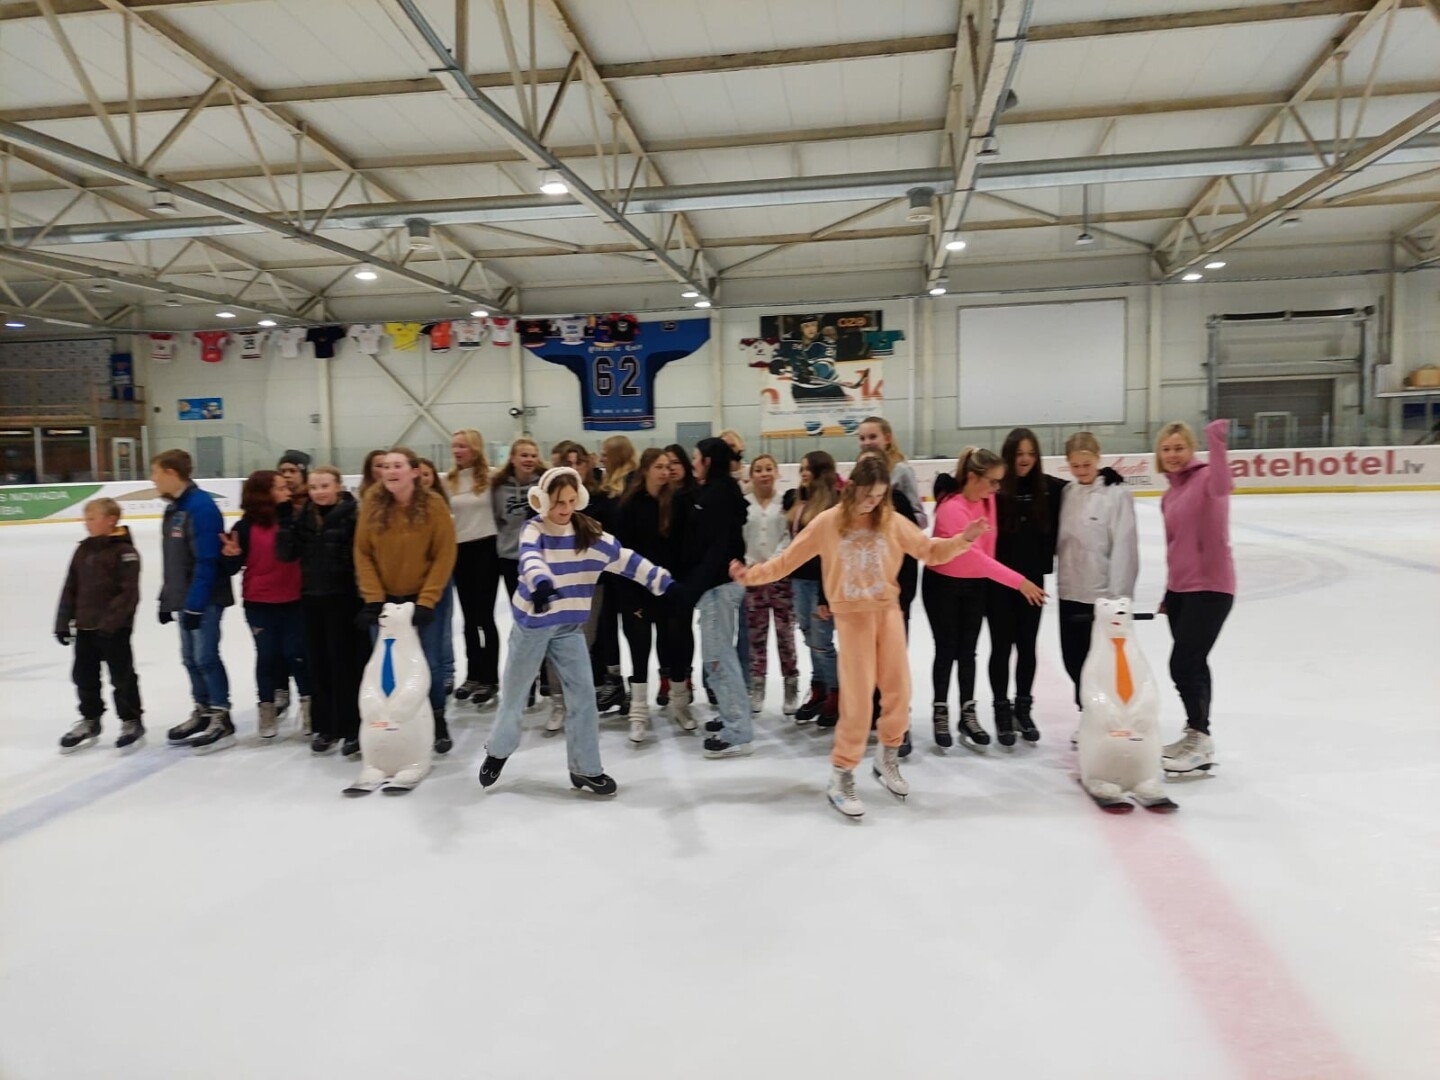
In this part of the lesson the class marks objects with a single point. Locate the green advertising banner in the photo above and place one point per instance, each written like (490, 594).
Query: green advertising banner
(36, 501)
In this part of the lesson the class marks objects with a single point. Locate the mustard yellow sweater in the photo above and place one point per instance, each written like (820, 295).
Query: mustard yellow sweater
(405, 559)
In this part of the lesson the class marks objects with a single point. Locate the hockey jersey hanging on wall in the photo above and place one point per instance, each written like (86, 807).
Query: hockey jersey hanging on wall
(617, 369)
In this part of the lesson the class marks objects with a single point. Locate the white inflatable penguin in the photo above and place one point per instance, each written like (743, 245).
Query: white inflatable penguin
(397, 728)
(1119, 740)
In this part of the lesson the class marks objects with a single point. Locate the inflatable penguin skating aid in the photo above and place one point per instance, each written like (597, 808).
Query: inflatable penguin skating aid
(1119, 739)
(397, 727)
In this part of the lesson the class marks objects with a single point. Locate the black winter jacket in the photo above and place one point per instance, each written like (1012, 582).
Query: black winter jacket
(714, 534)
(1025, 538)
(103, 585)
(322, 539)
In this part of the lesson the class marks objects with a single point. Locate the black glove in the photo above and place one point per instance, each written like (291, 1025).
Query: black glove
(62, 636)
(369, 616)
(190, 620)
(1111, 476)
(166, 617)
(423, 617)
(540, 598)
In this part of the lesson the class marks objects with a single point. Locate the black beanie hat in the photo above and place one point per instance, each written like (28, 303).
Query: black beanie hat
(295, 457)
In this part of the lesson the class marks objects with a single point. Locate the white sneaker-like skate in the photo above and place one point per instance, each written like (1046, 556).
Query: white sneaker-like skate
(841, 792)
(792, 696)
(1195, 752)
(887, 771)
(639, 712)
(556, 720)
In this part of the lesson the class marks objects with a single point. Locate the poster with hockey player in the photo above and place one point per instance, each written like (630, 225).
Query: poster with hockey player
(616, 363)
(821, 374)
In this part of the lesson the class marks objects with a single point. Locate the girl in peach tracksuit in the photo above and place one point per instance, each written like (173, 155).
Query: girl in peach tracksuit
(861, 543)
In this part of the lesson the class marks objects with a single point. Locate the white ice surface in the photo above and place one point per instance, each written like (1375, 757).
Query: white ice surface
(164, 915)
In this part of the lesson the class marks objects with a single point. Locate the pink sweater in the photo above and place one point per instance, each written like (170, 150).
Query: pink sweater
(951, 517)
(1196, 506)
(267, 579)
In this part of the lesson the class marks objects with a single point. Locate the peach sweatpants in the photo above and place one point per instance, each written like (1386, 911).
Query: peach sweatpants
(872, 654)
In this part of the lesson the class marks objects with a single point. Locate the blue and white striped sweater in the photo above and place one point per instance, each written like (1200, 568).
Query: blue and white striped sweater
(548, 554)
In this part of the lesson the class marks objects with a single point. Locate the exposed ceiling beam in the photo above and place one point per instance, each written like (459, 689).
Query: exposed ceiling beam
(1194, 20)
(411, 20)
(730, 195)
(1345, 167)
(33, 10)
(986, 58)
(1316, 74)
(78, 155)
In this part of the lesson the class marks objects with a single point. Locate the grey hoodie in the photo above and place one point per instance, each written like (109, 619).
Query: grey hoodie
(511, 500)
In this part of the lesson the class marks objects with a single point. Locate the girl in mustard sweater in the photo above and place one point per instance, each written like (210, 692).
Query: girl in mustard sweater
(861, 543)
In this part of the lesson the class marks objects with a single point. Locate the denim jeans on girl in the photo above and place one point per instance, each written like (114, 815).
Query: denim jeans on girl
(719, 610)
(819, 634)
(279, 633)
(565, 647)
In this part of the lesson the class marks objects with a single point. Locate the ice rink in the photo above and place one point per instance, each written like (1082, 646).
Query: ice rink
(164, 915)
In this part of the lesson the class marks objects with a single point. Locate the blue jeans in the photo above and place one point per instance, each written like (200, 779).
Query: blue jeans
(819, 634)
(719, 610)
(430, 645)
(445, 616)
(570, 659)
(200, 650)
(279, 633)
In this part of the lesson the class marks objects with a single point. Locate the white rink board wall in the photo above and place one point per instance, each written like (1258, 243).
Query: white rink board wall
(1336, 469)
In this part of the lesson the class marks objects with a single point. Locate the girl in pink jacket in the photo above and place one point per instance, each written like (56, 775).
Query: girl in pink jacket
(954, 593)
(1200, 576)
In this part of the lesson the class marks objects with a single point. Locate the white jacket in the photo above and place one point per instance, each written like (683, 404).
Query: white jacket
(1096, 549)
(765, 529)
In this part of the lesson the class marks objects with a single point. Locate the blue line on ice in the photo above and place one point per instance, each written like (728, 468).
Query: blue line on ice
(83, 793)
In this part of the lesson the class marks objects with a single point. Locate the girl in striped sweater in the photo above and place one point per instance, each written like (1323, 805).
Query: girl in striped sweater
(562, 555)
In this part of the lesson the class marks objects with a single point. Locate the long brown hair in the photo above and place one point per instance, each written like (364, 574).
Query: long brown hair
(587, 529)
(479, 466)
(506, 472)
(666, 497)
(822, 493)
(257, 497)
(869, 471)
(1014, 486)
(380, 504)
(366, 480)
(438, 487)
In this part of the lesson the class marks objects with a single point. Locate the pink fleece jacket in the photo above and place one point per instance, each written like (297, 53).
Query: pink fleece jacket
(1196, 506)
(951, 517)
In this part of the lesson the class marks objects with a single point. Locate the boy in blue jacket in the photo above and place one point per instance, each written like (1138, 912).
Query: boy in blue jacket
(195, 594)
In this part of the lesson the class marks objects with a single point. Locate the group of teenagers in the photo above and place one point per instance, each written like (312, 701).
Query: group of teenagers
(646, 547)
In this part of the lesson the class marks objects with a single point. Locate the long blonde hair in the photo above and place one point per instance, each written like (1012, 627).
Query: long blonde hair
(617, 455)
(479, 466)
(892, 452)
(380, 504)
(1175, 427)
(868, 471)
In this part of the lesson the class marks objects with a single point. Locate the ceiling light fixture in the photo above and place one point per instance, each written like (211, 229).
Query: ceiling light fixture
(365, 272)
(1218, 264)
(551, 183)
(702, 303)
(1193, 275)
(956, 245)
(162, 202)
(419, 231)
(267, 321)
(225, 314)
(1289, 221)
(689, 294)
(479, 313)
(937, 290)
(1085, 239)
(100, 287)
(14, 324)
(922, 205)
(989, 149)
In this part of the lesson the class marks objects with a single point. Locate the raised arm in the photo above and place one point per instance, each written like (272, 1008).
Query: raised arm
(1218, 481)
(804, 547)
(933, 551)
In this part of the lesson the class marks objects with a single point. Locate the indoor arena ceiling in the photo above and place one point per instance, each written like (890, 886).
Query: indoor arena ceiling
(160, 158)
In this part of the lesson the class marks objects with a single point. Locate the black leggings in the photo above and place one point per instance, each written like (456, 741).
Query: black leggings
(1076, 624)
(956, 607)
(477, 578)
(674, 642)
(1014, 624)
(510, 574)
(1195, 622)
(605, 649)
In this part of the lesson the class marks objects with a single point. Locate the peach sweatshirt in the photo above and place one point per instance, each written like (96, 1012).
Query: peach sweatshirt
(859, 569)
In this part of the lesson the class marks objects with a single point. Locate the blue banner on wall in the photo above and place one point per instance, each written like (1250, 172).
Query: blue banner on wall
(212, 408)
(122, 376)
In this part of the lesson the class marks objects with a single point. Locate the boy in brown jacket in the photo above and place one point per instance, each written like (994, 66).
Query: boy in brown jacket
(97, 610)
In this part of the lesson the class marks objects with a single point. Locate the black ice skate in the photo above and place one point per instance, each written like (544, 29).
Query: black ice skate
(490, 770)
(82, 734)
(972, 735)
(132, 733)
(600, 785)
